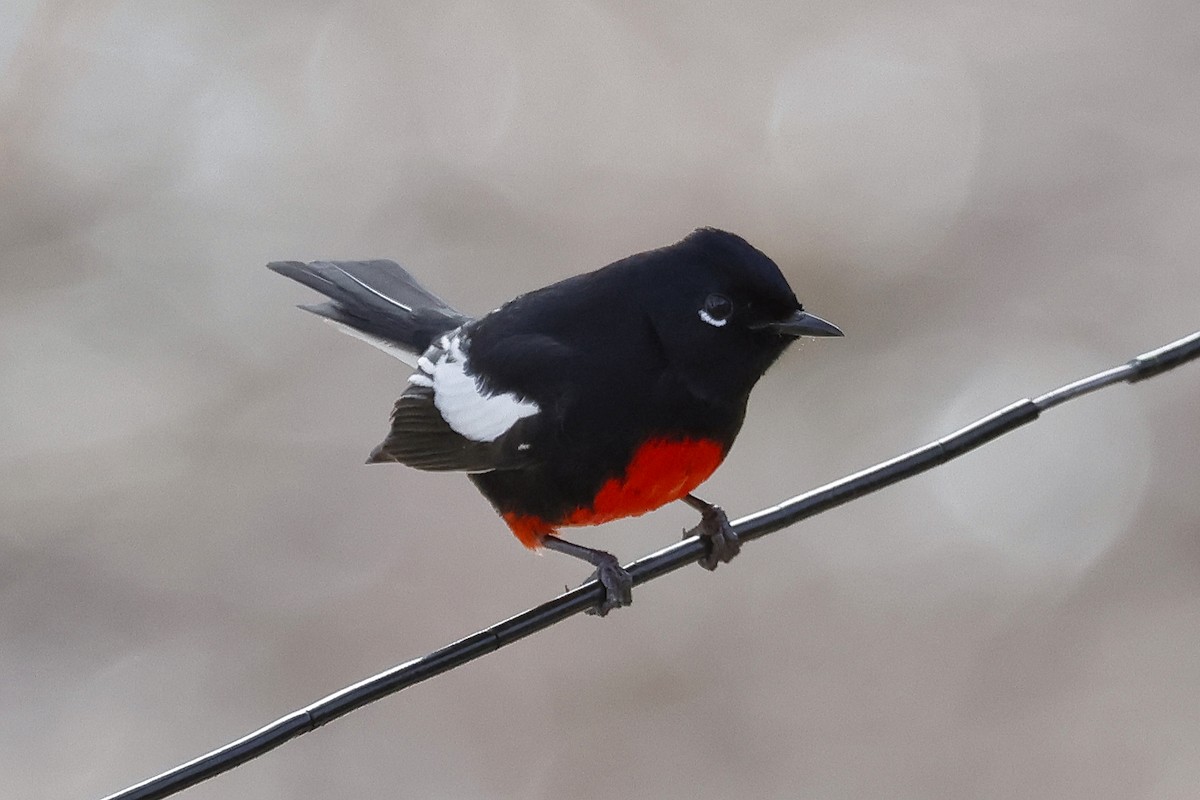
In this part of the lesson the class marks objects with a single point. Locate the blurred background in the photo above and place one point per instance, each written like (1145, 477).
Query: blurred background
(990, 199)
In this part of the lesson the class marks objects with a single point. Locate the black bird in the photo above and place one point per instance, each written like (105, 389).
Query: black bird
(602, 396)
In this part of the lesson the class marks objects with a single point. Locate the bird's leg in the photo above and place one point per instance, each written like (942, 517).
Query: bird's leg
(714, 526)
(617, 582)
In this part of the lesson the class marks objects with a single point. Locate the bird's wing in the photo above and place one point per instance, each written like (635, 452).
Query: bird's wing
(453, 418)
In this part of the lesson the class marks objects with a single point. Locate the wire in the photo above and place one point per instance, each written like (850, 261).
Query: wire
(648, 568)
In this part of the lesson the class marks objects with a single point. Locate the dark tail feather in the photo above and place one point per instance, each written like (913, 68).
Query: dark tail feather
(378, 299)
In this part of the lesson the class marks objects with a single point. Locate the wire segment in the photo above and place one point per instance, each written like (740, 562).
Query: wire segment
(648, 568)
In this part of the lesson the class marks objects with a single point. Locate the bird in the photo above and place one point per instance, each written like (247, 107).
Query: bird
(605, 395)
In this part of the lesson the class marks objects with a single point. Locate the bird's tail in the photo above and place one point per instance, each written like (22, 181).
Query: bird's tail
(377, 301)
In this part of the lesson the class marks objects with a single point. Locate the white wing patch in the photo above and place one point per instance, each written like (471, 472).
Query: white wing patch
(469, 410)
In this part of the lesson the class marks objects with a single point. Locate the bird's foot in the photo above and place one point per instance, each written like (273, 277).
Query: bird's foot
(617, 583)
(616, 580)
(714, 526)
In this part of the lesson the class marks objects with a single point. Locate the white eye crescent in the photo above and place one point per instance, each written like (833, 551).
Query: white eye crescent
(717, 310)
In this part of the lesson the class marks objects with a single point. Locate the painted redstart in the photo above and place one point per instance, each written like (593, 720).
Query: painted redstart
(602, 396)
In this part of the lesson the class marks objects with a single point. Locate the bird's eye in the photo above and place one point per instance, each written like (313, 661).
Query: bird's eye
(717, 309)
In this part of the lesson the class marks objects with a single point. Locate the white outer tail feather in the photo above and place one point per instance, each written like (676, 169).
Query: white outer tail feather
(391, 348)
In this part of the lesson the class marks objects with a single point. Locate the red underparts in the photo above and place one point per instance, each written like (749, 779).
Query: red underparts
(661, 471)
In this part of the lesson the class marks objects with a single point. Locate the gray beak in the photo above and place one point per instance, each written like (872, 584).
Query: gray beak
(802, 323)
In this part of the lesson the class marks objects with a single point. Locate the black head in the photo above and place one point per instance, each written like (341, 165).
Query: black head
(722, 309)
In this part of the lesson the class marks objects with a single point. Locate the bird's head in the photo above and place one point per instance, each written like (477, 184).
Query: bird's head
(722, 308)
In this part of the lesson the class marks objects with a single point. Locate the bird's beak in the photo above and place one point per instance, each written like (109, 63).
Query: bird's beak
(802, 323)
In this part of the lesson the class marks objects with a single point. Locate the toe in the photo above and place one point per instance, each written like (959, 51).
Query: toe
(618, 588)
(723, 540)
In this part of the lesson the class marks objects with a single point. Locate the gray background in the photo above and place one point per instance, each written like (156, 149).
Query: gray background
(991, 199)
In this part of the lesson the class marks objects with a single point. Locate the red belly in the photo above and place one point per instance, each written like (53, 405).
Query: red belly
(660, 472)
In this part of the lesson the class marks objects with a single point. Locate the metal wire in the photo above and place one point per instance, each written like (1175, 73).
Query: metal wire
(646, 569)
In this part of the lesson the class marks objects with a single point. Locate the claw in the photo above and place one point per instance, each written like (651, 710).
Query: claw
(618, 586)
(714, 526)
